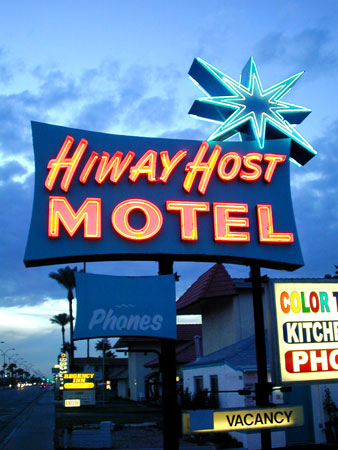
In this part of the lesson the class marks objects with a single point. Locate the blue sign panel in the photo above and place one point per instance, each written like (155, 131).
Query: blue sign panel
(110, 306)
(108, 197)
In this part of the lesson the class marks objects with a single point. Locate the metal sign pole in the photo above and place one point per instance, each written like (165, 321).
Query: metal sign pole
(262, 387)
(168, 369)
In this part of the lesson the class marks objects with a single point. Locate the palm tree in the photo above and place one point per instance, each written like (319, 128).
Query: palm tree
(62, 320)
(11, 369)
(66, 348)
(65, 277)
(103, 345)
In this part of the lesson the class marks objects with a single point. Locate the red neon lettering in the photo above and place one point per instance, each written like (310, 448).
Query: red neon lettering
(256, 170)
(266, 228)
(88, 167)
(197, 165)
(62, 162)
(115, 166)
(223, 222)
(170, 164)
(61, 211)
(152, 214)
(273, 160)
(188, 215)
(236, 166)
(146, 165)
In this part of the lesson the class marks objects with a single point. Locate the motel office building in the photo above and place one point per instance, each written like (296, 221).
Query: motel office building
(229, 357)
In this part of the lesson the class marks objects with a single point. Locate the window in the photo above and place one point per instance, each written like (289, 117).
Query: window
(198, 381)
(213, 383)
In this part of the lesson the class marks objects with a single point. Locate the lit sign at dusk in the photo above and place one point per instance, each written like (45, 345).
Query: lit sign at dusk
(104, 197)
(79, 381)
(307, 330)
(109, 197)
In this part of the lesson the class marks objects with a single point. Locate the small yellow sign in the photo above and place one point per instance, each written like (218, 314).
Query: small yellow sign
(78, 381)
(72, 402)
(242, 419)
(85, 385)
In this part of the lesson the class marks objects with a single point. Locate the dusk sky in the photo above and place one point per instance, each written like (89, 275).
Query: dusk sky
(122, 67)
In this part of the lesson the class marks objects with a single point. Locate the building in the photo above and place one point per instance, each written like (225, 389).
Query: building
(115, 370)
(229, 360)
(144, 371)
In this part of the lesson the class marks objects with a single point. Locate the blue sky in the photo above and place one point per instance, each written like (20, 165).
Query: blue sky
(122, 67)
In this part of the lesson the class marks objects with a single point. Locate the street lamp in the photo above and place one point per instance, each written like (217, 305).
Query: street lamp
(11, 357)
(4, 353)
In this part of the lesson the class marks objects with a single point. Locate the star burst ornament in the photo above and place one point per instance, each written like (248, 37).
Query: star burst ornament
(246, 108)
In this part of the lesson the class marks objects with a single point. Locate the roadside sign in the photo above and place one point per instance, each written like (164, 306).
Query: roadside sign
(242, 419)
(305, 324)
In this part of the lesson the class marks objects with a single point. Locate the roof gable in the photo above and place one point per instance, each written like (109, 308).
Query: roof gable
(240, 356)
(215, 282)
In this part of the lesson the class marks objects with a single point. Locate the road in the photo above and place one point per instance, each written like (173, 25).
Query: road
(26, 419)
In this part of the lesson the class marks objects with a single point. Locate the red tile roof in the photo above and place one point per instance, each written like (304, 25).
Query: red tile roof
(185, 353)
(215, 282)
(185, 332)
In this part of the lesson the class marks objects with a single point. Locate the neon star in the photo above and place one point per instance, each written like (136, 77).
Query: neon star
(246, 108)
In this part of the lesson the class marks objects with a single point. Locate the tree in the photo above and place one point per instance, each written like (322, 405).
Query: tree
(62, 320)
(335, 274)
(65, 277)
(104, 345)
(11, 369)
(66, 348)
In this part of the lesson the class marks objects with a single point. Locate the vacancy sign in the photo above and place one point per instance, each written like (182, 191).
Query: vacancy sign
(242, 419)
(307, 330)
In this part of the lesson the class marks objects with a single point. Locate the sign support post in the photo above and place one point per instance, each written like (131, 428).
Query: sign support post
(262, 387)
(168, 370)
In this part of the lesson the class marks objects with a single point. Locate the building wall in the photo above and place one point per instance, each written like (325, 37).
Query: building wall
(218, 325)
(137, 371)
(228, 379)
(122, 388)
(227, 321)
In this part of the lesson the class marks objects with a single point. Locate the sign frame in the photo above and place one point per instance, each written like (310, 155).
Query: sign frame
(275, 332)
(255, 213)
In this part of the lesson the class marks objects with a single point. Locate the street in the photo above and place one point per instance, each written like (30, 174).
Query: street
(26, 419)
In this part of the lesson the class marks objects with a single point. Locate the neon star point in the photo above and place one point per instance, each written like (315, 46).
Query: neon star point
(247, 108)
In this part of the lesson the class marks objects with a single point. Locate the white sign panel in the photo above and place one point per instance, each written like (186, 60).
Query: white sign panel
(307, 330)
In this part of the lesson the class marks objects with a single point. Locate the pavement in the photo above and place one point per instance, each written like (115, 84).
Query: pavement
(34, 428)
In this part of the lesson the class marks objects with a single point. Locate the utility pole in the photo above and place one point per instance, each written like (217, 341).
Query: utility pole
(262, 387)
(168, 369)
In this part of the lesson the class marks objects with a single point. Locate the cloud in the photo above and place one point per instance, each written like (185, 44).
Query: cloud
(312, 48)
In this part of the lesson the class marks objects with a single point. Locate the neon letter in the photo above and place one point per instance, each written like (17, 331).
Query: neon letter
(249, 164)
(273, 161)
(188, 212)
(146, 165)
(88, 167)
(116, 166)
(170, 164)
(236, 166)
(223, 222)
(61, 211)
(152, 214)
(266, 230)
(197, 165)
(62, 162)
